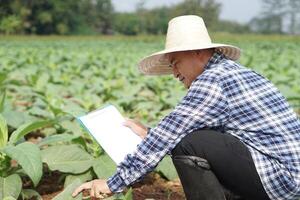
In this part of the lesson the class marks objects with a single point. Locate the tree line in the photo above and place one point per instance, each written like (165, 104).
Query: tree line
(99, 17)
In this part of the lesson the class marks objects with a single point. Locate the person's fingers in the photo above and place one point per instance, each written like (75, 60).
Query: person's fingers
(97, 192)
(129, 123)
(92, 193)
(136, 127)
(126, 123)
(131, 120)
(136, 123)
(79, 189)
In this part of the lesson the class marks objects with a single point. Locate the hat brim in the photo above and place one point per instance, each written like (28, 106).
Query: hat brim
(158, 64)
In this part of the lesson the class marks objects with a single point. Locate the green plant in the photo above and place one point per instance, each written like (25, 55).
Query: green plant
(26, 156)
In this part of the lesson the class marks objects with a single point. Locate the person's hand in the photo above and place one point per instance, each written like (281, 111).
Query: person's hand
(137, 127)
(98, 189)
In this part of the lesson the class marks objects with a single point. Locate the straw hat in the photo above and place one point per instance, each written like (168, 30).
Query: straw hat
(184, 33)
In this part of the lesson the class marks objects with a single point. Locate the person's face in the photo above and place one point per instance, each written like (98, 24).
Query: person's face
(187, 65)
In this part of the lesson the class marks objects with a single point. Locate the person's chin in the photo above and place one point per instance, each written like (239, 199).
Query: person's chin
(187, 86)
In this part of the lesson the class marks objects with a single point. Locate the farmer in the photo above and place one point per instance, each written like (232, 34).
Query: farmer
(233, 131)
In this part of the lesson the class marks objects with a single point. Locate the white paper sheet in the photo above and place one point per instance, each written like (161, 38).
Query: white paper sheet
(105, 125)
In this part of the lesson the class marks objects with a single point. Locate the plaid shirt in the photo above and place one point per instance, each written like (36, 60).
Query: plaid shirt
(247, 106)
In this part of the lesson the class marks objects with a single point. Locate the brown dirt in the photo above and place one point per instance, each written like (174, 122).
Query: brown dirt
(152, 187)
(155, 187)
(49, 186)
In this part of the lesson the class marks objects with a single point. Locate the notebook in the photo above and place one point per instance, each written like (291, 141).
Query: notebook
(105, 125)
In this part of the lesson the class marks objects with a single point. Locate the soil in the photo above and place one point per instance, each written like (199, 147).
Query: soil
(153, 187)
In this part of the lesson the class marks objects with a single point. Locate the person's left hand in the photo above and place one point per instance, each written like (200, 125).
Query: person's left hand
(136, 126)
(98, 189)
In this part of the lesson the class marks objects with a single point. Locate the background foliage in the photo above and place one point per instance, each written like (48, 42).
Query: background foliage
(99, 17)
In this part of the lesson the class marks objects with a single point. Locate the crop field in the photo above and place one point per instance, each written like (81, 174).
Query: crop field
(46, 81)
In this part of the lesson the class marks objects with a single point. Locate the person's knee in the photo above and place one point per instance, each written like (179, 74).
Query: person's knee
(192, 161)
(186, 145)
(194, 143)
(181, 148)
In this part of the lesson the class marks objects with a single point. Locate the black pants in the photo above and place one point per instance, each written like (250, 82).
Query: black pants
(213, 165)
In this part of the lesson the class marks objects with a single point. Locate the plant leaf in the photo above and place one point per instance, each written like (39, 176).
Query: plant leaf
(30, 194)
(15, 119)
(2, 100)
(104, 166)
(67, 193)
(166, 167)
(28, 155)
(57, 138)
(27, 128)
(9, 198)
(82, 177)
(67, 158)
(128, 195)
(10, 186)
(3, 77)
(3, 132)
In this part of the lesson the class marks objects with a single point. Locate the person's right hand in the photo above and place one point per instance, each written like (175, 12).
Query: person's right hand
(137, 127)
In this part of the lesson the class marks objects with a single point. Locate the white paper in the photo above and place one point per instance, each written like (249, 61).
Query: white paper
(105, 125)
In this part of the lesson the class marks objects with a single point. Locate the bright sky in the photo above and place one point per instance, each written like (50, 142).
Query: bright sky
(236, 10)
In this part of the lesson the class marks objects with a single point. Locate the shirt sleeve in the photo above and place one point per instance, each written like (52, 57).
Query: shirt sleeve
(203, 106)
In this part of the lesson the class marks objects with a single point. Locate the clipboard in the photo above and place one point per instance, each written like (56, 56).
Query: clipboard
(105, 126)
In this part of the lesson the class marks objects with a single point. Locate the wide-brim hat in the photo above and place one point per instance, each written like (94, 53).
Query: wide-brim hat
(185, 33)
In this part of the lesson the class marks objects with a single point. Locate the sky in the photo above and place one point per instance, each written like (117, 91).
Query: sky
(241, 11)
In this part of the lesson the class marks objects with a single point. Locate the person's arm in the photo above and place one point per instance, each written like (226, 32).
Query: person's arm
(203, 106)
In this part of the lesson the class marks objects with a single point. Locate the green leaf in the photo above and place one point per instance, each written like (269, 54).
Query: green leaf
(2, 100)
(3, 77)
(166, 167)
(42, 82)
(128, 195)
(104, 166)
(28, 155)
(39, 112)
(72, 126)
(15, 118)
(3, 132)
(30, 194)
(10, 186)
(27, 128)
(57, 138)
(67, 158)
(87, 176)
(67, 193)
(9, 198)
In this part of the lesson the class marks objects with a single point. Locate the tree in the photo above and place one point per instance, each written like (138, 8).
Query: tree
(127, 23)
(232, 27)
(104, 16)
(155, 21)
(267, 25)
(208, 9)
(56, 16)
(10, 24)
(278, 16)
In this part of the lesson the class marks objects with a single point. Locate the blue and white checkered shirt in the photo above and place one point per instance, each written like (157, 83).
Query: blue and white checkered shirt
(247, 106)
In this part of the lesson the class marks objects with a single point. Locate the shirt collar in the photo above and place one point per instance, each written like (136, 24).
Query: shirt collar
(216, 58)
